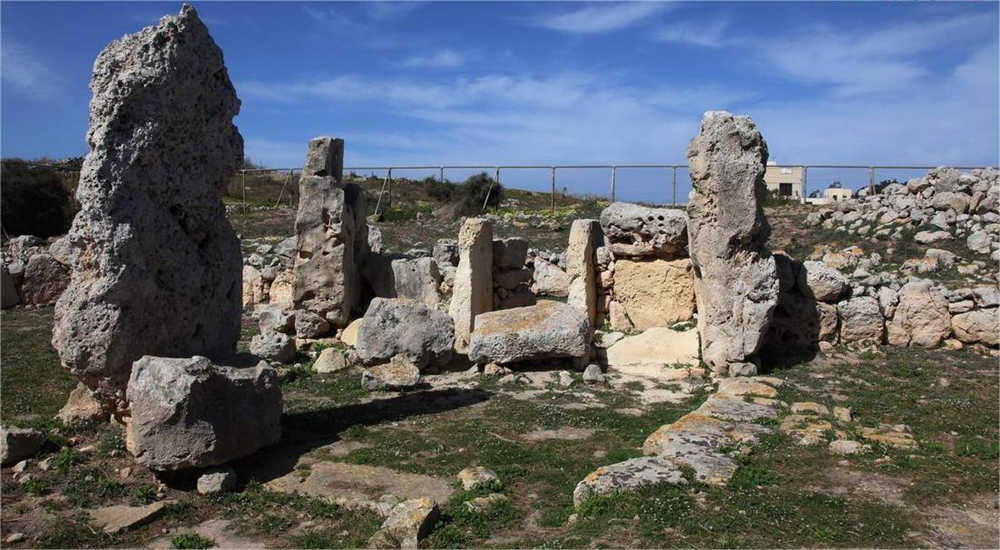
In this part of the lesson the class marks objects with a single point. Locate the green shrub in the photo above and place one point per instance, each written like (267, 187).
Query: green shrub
(472, 193)
(441, 191)
(36, 199)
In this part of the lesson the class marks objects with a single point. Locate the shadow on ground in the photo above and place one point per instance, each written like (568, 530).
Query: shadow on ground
(305, 431)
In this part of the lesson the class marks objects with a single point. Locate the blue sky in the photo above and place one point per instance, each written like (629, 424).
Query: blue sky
(506, 83)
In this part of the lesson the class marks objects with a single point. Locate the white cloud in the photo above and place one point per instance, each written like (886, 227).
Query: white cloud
(442, 59)
(710, 34)
(862, 61)
(24, 71)
(600, 18)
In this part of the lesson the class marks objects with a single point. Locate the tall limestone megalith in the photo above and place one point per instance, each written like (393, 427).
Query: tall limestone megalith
(472, 292)
(584, 238)
(332, 242)
(736, 283)
(156, 267)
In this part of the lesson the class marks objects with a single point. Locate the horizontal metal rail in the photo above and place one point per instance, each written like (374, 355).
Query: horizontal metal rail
(386, 190)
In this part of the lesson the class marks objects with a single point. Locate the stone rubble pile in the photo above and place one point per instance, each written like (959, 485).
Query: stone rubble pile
(944, 205)
(35, 271)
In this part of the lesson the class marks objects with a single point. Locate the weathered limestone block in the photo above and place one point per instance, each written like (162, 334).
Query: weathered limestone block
(273, 346)
(736, 283)
(404, 327)
(397, 276)
(584, 237)
(979, 325)
(17, 444)
(324, 158)
(282, 289)
(545, 330)
(822, 282)
(549, 279)
(45, 279)
(921, 317)
(255, 289)
(635, 231)
(327, 279)
(81, 408)
(510, 253)
(799, 324)
(655, 293)
(472, 292)
(861, 319)
(156, 267)
(189, 413)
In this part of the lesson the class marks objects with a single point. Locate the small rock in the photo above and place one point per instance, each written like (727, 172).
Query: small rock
(476, 477)
(593, 374)
(217, 480)
(14, 538)
(408, 522)
(810, 407)
(330, 360)
(843, 414)
(847, 447)
(113, 519)
(495, 370)
(482, 505)
(16, 444)
(565, 379)
(21, 466)
(398, 373)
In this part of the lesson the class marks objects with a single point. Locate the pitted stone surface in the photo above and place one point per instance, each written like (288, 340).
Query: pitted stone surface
(545, 330)
(635, 231)
(736, 281)
(156, 266)
(472, 292)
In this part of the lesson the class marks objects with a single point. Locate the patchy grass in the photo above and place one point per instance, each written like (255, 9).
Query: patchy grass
(191, 540)
(34, 383)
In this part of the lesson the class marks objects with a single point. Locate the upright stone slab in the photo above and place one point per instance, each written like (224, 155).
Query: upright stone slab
(736, 282)
(584, 237)
(332, 237)
(156, 266)
(472, 292)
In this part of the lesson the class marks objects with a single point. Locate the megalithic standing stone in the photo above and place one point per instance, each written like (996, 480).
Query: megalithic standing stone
(736, 283)
(156, 267)
(472, 292)
(332, 242)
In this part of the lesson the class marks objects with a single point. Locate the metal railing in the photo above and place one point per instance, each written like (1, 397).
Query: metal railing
(386, 189)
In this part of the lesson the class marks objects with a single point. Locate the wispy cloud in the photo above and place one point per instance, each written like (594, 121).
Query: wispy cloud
(442, 59)
(600, 18)
(711, 34)
(26, 72)
(391, 10)
(861, 61)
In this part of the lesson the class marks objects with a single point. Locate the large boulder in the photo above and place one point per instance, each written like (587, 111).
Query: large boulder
(861, 320)
(545, 330)
(472, 291)
(655, 293)
(736, 282)
(822, 282)
(332, 236)
(189, 413)
(45, 279)
(157, 266)
(634, 231)
(921, 317)
(978, 325)
(404, 327)
(509, 253)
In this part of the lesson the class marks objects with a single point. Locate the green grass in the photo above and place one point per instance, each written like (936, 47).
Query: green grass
(34, 382)
(191, 540)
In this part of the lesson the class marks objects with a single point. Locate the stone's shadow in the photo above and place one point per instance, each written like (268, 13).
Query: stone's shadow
(305, 431)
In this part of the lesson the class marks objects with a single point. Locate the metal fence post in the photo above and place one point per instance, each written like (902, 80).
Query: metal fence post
(871, 178)
(613, 169)
(441, 174)
(388, 190)
(675, 187)
(243, 176)
(553, 189)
